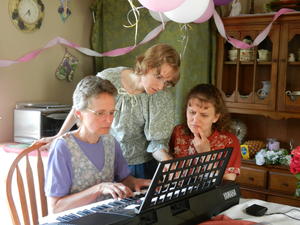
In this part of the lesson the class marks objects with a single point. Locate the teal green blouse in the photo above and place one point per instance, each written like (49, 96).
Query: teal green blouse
(143, 123)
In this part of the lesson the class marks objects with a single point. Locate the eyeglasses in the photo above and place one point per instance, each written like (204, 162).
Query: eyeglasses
(167, 84)
(102, 113)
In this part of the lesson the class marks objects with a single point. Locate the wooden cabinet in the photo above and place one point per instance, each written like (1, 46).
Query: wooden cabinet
(243, 74)
(289, 71)
(269, 183)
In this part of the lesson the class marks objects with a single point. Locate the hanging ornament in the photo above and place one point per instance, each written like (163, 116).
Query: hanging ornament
(67, 67)
(63, 10)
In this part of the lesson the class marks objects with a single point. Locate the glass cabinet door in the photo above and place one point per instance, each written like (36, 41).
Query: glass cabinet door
(248, 76)
(228, 79)
(289, 69)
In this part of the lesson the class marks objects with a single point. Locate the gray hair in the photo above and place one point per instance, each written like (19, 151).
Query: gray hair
(88, 87)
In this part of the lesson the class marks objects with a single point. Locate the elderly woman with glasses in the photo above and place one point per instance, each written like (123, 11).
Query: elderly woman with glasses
(87, 165)
(145, 108)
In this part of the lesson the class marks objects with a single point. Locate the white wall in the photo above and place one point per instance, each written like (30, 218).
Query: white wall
(35, 80)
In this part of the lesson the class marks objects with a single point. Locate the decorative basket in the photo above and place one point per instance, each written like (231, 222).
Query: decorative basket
(247, 55)
(232, 54)
(254, 146)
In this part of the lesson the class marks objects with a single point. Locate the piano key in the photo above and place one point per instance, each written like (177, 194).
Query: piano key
(84, 212)
(81, 213)
(65, 218)
(87, 211)
(95, 209)
(106, 206)
(115, 203)
(73, 216)
(62, 219)
(126, 200)
(98, 208)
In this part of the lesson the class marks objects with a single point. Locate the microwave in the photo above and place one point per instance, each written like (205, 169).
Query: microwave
(33, 121)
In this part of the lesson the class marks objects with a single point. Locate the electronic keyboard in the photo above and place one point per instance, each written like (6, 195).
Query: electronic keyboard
(115, 212)
(188, 192)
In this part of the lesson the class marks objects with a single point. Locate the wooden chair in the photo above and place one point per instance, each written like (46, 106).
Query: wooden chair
(24, 179)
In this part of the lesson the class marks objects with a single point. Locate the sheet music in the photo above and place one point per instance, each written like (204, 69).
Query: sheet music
(187, 176)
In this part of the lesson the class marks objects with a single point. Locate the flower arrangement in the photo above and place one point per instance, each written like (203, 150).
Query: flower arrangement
(273, 157)
(295, 162)
(295, 167)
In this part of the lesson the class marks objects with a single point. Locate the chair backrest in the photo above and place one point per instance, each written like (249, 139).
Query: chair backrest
(22, 179)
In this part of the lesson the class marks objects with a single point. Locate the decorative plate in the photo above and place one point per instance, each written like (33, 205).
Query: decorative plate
(26, 15)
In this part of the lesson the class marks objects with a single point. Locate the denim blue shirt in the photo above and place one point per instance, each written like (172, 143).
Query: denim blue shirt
(143, 123)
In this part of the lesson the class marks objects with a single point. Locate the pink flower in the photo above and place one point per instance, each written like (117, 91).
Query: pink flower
(296, 152)
(295, 161)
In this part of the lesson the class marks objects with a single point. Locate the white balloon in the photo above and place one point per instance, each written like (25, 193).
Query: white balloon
(159, 18)
(188, 11)
(207, 14)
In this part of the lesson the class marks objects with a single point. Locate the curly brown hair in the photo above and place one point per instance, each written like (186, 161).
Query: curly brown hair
(209, 93)
(155, 57)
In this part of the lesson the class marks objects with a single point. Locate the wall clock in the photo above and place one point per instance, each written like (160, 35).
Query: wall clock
(26, 15)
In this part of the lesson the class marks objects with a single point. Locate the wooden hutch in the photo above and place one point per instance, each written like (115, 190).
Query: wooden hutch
(275, 115)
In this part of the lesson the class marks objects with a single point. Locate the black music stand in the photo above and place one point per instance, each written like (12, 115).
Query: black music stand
(185, 177)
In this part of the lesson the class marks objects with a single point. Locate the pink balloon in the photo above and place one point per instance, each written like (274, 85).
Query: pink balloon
(161, 5)
(222, 2)
(207, 14)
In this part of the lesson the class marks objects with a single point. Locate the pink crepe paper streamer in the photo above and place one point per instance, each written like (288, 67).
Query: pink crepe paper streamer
(240, 44)
(59, 40)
